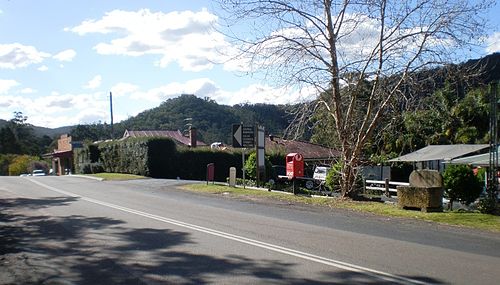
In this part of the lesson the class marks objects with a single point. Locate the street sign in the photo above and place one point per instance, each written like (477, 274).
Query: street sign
(237, 139)
(243, 136)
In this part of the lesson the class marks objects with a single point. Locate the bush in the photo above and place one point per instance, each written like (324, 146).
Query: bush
(461, 184)
(42, 165)
(487, 205)
(20, 164)
(251, 166)
(91, 168)
(333, 177)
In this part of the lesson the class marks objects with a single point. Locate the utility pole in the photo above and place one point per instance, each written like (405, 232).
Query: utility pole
(493, 165)
(111, 111)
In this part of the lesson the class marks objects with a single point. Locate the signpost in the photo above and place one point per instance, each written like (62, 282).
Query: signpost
(243, 136)
(261, 156)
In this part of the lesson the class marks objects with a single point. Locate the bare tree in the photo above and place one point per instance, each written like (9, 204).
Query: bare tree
(357, 54)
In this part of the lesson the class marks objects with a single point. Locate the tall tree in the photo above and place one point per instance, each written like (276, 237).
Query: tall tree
(337, 46)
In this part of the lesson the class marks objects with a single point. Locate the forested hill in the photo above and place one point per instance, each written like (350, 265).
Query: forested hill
(213, 121)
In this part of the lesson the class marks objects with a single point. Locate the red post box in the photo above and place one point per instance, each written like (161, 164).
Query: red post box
(294, 165)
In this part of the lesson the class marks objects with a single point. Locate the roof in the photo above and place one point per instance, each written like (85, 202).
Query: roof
(475, 160)
(440, 152)
(308, 150)
(175, 135)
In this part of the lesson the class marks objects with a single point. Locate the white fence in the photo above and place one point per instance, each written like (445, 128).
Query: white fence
(384, 186)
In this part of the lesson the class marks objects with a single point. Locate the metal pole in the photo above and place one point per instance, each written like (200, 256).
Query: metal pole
(493, 163)
(111, 111)
(243, 163)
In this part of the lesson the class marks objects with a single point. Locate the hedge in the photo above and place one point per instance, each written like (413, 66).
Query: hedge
(157, 158)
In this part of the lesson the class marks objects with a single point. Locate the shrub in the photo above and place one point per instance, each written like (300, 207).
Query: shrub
(38, 165)
(91, 168)
(461, 184)
(20, 164)
(487, 205)
(251, 166)
(333, 177)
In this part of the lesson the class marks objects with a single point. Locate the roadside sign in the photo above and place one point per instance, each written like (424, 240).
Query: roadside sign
(237, 138)
(243, 136)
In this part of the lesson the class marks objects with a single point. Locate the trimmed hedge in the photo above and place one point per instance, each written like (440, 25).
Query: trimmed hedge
(192, 163)
(147, 157)
(157, 158)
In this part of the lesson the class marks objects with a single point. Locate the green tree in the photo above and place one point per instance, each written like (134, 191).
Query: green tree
(5, 161)
(461, 184)
(9, 142)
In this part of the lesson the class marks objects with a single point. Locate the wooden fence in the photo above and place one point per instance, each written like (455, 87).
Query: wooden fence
(384, 186)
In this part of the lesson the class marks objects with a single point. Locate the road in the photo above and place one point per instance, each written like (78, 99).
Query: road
(71, 230)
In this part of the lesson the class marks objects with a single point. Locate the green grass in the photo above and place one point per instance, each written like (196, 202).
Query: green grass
(463, 219)
(116, 176)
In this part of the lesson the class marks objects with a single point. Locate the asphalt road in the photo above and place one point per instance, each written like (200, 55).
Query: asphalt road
(70, 230)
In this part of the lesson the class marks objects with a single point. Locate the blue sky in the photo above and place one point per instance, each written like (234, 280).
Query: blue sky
(60, 59)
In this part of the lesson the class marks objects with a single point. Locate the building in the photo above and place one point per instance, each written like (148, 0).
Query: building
(177, 136)
(62, 157)
(311, 152)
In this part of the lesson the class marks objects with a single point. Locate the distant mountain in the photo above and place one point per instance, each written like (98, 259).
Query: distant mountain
(52, 133)
(42, 131)
(213, 121)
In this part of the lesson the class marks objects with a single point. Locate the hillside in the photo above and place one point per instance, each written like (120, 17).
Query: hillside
(42, 131)
(212, 120)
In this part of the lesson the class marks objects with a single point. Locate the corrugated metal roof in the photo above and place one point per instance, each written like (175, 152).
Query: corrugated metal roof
(308, 150)
(440, 152)
(475, 160)
(176, 135)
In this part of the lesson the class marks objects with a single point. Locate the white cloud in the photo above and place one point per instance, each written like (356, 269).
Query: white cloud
(6, 85)
(187, 38)
(43, 68)
(493, 43)
(204, 87)
(16, 55)
(122, 89)
(65, 55)
(94, 82)
(28, 91)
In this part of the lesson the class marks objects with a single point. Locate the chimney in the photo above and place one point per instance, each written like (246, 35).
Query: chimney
(192, 136)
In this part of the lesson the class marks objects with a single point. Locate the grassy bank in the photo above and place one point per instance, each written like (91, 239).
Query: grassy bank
(464, 219)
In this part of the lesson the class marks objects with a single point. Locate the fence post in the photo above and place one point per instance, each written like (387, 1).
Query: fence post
(387, 192)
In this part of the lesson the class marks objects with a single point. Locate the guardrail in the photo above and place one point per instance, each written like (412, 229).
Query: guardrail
(384, 185)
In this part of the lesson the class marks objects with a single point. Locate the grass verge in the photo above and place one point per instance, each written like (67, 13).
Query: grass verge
(463, 219)
(116, 176)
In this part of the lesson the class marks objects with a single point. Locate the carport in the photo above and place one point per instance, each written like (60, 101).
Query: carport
(435, 156)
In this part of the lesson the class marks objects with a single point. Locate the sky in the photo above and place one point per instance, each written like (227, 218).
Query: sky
(60, 59)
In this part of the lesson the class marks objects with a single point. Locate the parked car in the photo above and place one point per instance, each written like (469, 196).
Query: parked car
(320, 172)
(38, 172)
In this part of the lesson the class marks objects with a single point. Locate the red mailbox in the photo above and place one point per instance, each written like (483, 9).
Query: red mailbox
(294, 165)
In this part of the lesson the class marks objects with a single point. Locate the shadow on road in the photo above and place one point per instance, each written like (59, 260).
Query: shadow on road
(40, 249)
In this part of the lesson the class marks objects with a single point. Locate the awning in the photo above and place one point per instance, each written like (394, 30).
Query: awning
(440, 152)
(474, 160)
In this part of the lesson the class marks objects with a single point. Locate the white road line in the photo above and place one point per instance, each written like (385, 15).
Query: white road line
(276, 248)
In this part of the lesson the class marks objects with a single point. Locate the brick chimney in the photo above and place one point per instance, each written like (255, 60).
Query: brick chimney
(192, 137)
